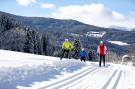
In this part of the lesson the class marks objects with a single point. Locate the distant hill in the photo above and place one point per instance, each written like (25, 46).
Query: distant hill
(121, 28)
(133, 29)
(57, 30)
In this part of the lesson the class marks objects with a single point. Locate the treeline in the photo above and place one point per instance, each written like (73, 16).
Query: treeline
(16, 36)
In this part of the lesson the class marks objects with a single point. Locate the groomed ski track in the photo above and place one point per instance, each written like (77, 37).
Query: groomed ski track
(94, 77)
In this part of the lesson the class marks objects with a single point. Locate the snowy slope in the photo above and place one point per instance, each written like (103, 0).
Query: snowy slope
(96, 34)
(119, 43)
(29, 71)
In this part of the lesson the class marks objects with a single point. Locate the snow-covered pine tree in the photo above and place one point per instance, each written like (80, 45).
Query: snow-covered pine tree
(76, 48)
(29, 44)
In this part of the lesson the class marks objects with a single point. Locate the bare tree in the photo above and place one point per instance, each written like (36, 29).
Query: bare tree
(132, 54)
(113, 57)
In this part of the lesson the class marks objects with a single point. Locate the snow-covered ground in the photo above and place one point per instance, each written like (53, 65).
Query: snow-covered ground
(76, 35)
(119, 43)
(96, 34)
(29, 71)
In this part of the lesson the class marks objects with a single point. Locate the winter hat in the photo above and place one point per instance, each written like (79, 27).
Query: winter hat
(101, 42)
(66, 39)
(82, 49)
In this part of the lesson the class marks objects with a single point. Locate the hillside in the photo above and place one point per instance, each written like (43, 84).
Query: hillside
(16, 36)
(25, 71)
(57, 30)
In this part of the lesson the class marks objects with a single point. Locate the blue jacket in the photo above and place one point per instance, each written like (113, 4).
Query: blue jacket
(83, 54)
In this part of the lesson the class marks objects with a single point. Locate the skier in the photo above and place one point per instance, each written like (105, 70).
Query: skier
(83, 55)
(76, 48)
(101, 50)
(66, 48)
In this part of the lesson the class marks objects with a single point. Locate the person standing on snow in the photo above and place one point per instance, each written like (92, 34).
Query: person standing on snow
(83, 55)
(66, 48)
(101, 50)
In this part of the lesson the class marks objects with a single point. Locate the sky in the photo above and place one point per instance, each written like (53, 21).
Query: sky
(103, 13)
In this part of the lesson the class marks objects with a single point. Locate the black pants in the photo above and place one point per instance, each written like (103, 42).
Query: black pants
(83, 59)
(67, 53)
(102, 57)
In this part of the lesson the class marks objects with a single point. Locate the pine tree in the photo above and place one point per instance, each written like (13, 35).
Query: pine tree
(28, 45)
(45, 41)
(76, 48)
(7, 23)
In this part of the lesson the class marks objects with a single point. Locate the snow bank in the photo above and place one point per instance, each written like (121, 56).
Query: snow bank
(23, 69)
(119, 43)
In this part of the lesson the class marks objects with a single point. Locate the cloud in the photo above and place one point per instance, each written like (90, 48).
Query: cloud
(25, 2)
(47, 5)
(94, 14)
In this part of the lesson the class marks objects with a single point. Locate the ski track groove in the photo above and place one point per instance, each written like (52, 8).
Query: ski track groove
(109, 80)
(77, 78)
(81, 81)
(70, 85)
(114, 80)
(73, 79)
(117, 81)
(121, 80)
(87, 87)
(70, 77)
(116, 75)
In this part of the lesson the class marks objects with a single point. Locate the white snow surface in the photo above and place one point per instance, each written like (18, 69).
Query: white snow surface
(96, 34)
(119, 43)
(28, 71)
(76, 35)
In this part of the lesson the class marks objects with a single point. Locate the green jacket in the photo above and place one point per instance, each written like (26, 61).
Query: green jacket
(67, 45)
